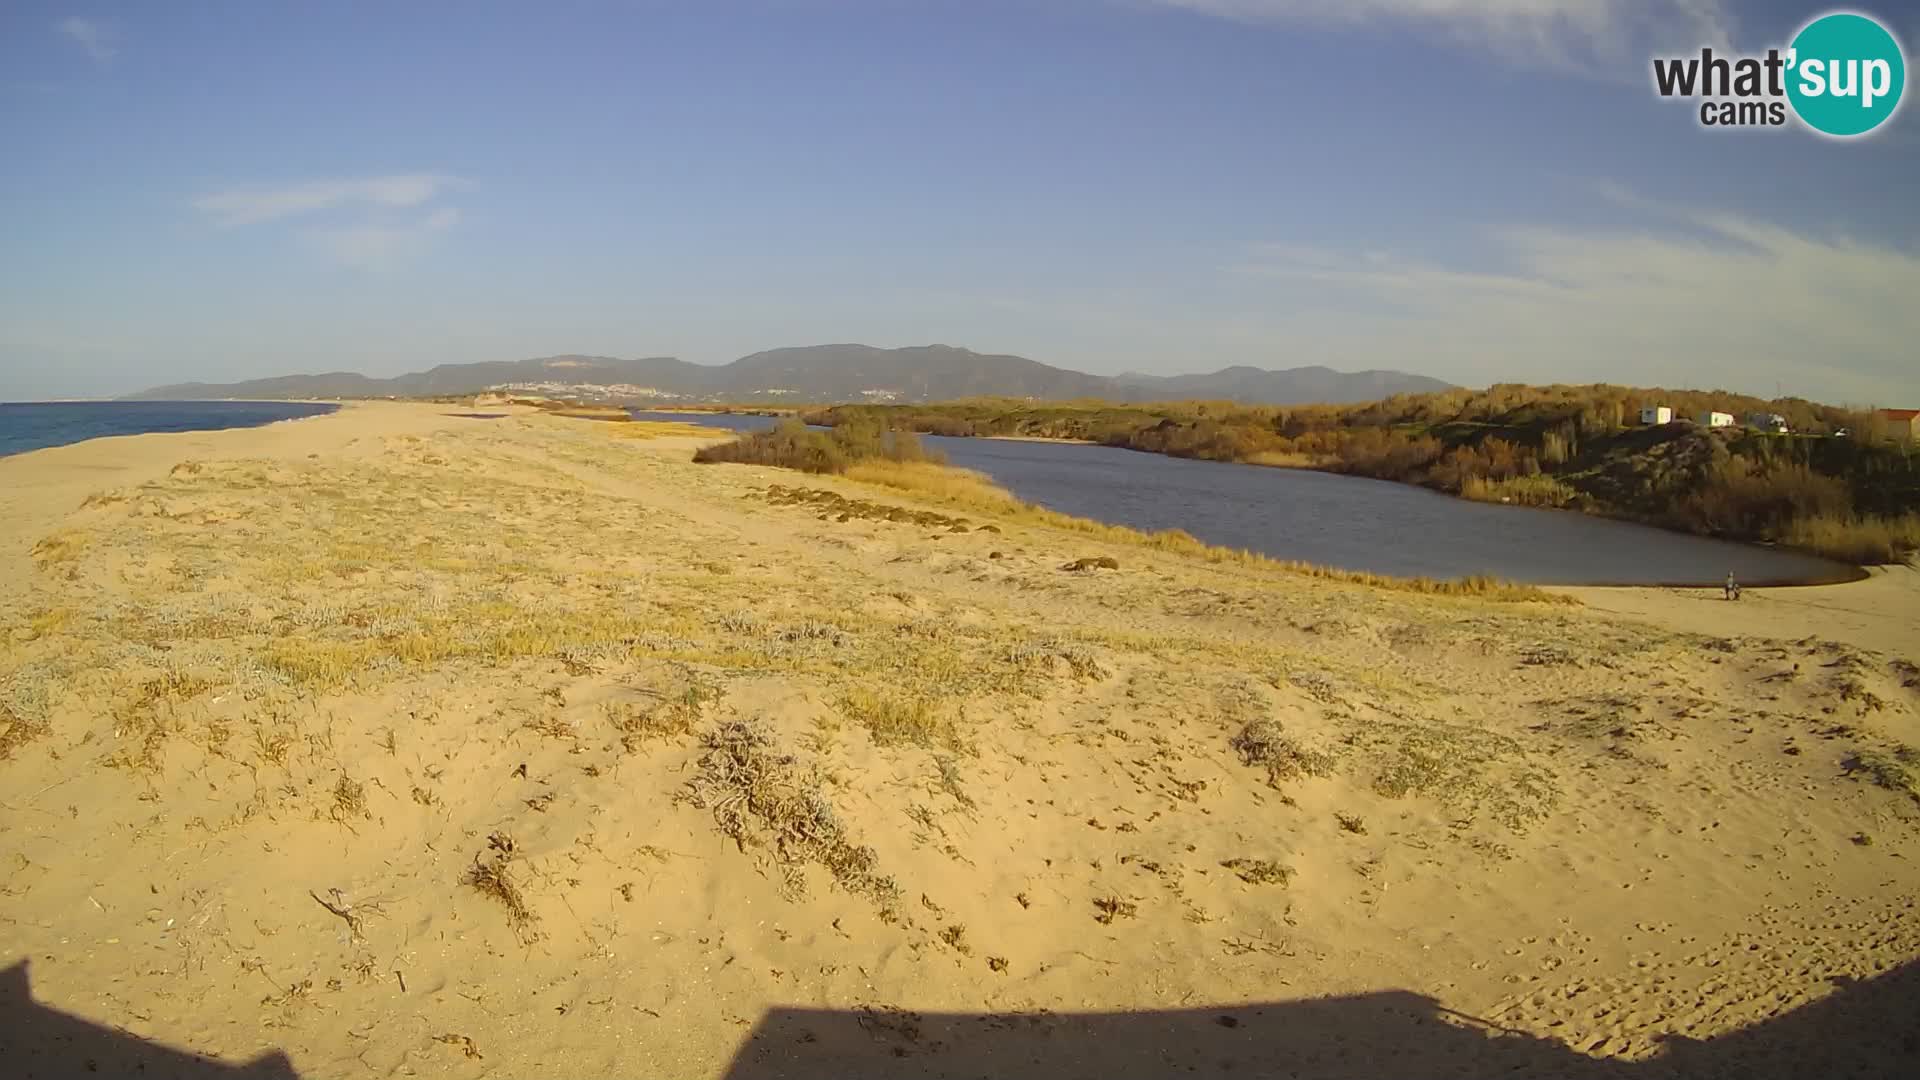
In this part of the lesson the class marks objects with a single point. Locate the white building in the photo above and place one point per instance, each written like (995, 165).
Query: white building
(1656, 414)
(1716, 419)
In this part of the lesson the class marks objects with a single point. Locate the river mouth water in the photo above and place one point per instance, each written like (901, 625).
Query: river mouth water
(1354, 523)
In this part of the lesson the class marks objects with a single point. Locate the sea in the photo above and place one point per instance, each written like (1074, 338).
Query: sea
(28, 426)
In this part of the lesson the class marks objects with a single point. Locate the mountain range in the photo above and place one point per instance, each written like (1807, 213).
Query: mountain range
(819, 374)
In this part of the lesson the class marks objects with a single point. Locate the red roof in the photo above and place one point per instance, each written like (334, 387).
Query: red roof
(1900, 414)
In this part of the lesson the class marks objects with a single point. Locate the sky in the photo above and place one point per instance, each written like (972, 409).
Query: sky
(1478, 190)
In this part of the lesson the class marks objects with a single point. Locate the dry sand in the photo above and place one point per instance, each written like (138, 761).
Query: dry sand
(401, 743)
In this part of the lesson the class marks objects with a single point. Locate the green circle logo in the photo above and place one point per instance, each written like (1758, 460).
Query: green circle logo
(1846, 73)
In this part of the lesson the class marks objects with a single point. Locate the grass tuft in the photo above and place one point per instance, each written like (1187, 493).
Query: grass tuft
(349, 801)
(901, 720)
(1260, 871)
(670, 719)
(492, 876)
(1108, 908)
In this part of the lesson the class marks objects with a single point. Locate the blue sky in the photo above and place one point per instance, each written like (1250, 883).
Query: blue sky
(1480, 190)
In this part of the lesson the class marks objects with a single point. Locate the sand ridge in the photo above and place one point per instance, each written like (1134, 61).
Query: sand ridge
(397, 741)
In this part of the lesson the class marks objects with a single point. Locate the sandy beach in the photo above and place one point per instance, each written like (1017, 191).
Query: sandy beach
(404, 741)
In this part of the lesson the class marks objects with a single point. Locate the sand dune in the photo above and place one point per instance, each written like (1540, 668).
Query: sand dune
(400, 742)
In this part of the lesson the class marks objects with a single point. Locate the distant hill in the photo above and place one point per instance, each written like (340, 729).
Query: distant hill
(820, 374)
(642, 375)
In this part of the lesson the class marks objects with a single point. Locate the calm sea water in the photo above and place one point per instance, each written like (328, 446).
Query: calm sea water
(1355, 523)
(34, 426)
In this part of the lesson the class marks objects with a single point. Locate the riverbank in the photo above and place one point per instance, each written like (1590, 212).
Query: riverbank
(1355, 523)
(1854, 499)
(1827, 540)
(409, 740)
(1880, 612)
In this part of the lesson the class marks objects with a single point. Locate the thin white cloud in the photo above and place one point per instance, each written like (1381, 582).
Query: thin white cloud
(99, 38)
(252, 205)
(1709, 299)
(381, 247)
(1592, 35)
(1377, 271)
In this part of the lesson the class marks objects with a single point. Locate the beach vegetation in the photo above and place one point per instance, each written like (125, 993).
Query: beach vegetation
(1896, 769)
(762, 799)
(790, 444)
(1259, 871)
(1262, 744)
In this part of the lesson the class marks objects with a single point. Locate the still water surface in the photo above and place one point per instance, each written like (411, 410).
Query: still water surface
(28, 426)
(1351, 522)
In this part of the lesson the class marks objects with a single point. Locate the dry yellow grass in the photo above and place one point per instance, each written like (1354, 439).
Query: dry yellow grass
(1282, 459)
(587, 412)
(64, 546)
(1860, 540)
(970, 490)
(896, 719)
(662, 429)
(1541, 490)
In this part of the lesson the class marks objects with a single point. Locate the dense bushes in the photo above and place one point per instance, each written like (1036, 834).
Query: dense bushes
(1741, 497)
(792, 445)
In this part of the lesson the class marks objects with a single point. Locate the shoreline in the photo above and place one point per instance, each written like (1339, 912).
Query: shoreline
(1023, 438)
(324, 409)
(1877, 611)
(1855, 574)
(1599, 515)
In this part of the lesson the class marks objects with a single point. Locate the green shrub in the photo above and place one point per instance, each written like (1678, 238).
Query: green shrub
(791, 444)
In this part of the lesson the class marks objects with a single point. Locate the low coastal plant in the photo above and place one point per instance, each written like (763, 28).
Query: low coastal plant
(17, 731)
(492, 876)
(1466, 769)
(1896, 770)
(672, 718)
(1263, 745)
(760, 798)
(1260, 871)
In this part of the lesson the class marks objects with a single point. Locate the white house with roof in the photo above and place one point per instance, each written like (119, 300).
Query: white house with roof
(1716, 419)
(1656, 414)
